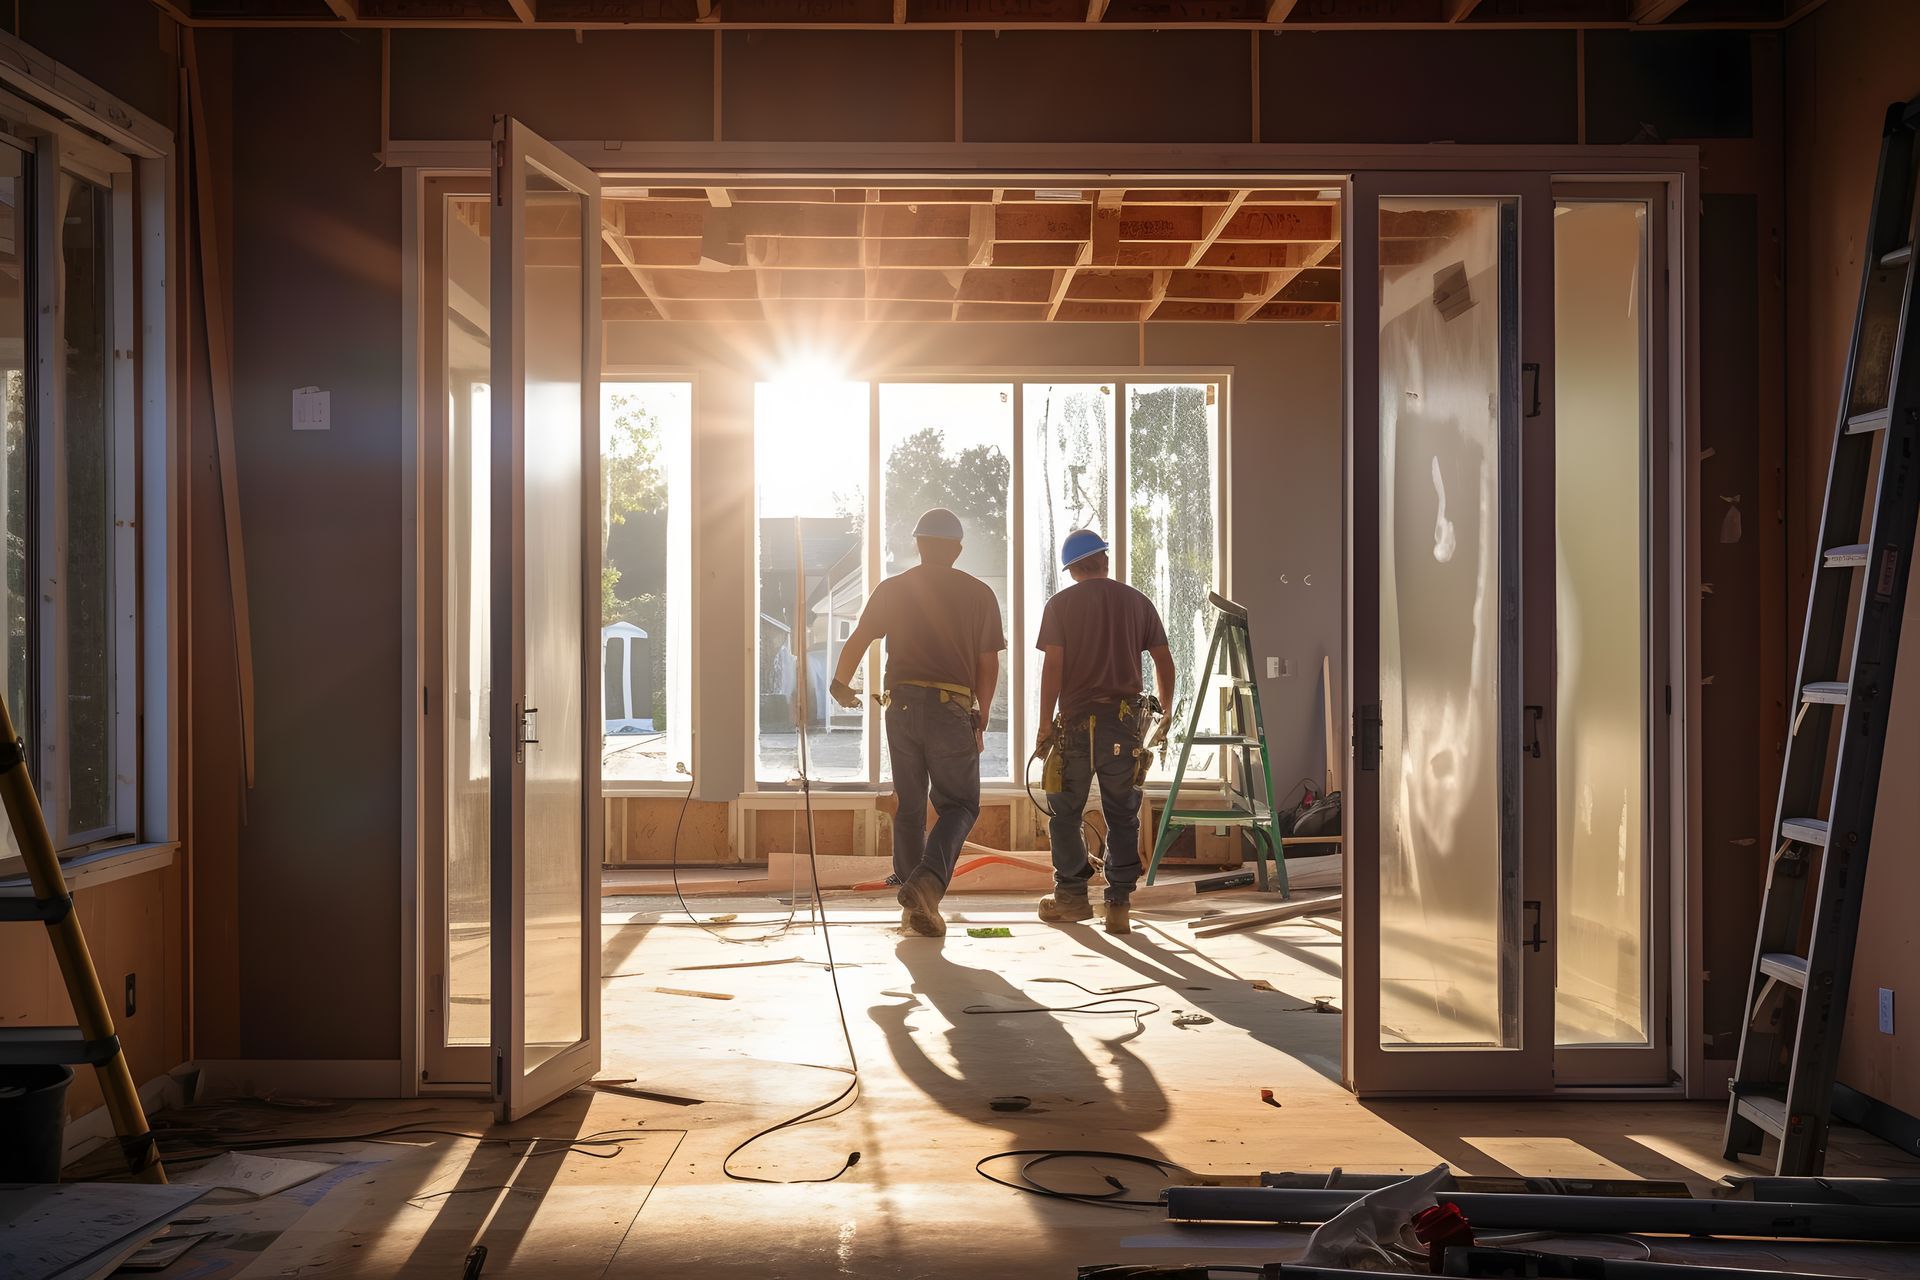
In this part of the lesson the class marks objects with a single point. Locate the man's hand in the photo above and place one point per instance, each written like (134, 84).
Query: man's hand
(980, 730)
(1041, 739)
(845, 694)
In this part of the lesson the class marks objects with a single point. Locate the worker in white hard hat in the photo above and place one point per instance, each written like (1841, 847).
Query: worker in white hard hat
(1092, 636)
(943, 634)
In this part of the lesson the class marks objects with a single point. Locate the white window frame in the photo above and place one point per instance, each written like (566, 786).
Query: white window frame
(610, 373)
(1018, 667)
(65, 125)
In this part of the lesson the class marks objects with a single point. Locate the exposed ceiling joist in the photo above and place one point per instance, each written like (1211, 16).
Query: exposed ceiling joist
(345, 10)
(1247, 310)
(1096, 10)
(1277, 10)
(1652, 11)
(523, 10)
(1461, 10)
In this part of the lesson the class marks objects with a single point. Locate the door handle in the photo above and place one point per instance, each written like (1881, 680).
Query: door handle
(1532, 374)
(1533, 938)
(1534, 715)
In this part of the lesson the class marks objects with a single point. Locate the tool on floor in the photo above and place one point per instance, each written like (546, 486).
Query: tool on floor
(1227, 680)
(1796, 1003)
(46, 898)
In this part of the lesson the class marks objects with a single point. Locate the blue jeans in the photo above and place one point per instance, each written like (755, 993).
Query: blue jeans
(1098, 742)
(931, 743)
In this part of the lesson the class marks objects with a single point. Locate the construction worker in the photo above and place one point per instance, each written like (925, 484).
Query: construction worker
(1092, 635)
(942, 628)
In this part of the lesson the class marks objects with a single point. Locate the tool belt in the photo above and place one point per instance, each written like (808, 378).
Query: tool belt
(1132, 713)
(948, 692)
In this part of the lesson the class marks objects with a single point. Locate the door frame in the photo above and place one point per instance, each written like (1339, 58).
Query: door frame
(1676, 169)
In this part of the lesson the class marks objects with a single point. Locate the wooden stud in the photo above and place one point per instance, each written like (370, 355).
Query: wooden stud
(220, 374)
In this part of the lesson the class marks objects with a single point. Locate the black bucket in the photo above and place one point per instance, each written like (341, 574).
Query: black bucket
(33, 1122)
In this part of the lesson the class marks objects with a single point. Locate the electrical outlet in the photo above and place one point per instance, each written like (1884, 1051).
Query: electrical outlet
(1886, 1011)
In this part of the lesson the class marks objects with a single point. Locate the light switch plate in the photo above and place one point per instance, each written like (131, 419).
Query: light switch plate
(1273, 668)
(1886, 1011)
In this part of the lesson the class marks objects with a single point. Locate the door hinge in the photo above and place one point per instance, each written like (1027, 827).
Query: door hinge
(1366, 738)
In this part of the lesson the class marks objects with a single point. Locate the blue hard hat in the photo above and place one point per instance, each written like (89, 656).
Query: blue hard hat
(938, 522)
(1080, 544)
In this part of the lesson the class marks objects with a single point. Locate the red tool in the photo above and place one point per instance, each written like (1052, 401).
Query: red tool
(1440, 1227)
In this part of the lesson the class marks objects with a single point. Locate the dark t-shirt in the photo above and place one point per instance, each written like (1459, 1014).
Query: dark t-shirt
(1103, 626)
(937, 623)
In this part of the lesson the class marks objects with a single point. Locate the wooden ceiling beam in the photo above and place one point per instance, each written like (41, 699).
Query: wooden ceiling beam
(1653, 11)
(345, 10)
(523, 10)
(1277, 10)
(1461, 10)
(1096, 10)
(612, 235)
(1245, 311)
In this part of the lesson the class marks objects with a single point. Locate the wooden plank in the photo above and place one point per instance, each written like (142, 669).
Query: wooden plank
(1277, 10)
(665, 252)
(616, 310)
(1096, 10)
(345, 10)
(732, 286)
(1651, 11)
(1331, 780)
(1217, 286)
(1111, 286)
(1078, 310)
(1003, 311)
(780, 251)
(1042, 222)
(1300, 312)
(1312, 222)
(1280, 280)
(901, 221)
(1109, 226)
(1255, 257)
(1312, 284)
(910, 286)
(611, 237)
(1163, 222)
(811, 284)
(1461, 10)
(1183, 309)
(522, 9)
(989, 285)
(213, 299)
(1214, 926)
(980, 235)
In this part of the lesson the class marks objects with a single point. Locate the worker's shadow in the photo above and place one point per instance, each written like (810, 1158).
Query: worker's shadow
(1278, 1019)
(1035, 1056)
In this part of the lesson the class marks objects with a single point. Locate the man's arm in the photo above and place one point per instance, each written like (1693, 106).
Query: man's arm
(1051, 666)
(1163, 675)
(865, 633)
(986, 674)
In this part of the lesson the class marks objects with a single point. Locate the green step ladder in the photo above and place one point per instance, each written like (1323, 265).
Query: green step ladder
(1229, 676)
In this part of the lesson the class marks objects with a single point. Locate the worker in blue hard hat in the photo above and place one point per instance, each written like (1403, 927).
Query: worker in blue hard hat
(943, 634)
(1091, 637)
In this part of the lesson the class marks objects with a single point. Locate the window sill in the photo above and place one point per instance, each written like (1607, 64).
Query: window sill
(98, 866)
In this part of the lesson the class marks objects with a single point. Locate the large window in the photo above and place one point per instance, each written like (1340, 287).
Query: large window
(66, 499)
(646, 430)
(850, 466)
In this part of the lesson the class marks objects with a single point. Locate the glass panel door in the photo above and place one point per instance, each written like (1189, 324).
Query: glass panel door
(1450, 975)
(546, 622)
(1610, 1020)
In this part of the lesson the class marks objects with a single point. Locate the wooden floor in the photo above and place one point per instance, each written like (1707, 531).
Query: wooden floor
(658, 1205)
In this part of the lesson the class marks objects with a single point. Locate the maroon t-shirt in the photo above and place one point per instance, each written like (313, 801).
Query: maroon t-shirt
(937, 622)
(1103, 627)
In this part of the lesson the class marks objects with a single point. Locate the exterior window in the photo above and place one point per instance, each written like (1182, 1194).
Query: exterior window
(17, 492)
(1023, 464)
(810, 458)
(646, 431)
(87, 582)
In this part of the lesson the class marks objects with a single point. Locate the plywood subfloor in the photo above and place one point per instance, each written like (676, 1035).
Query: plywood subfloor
(913, 1206)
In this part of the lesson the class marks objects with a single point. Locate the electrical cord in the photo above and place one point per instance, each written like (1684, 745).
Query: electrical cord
(1091, 1009)
(817, 908)
(779, 927)
(1095, 842)
(1112, 1199)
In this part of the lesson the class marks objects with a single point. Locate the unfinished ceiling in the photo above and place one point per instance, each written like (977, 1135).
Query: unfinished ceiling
(1294, 14)
(851, 254)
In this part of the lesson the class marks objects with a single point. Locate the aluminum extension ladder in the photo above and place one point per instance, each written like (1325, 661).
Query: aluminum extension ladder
(1796, 1003)
(46, 899)
(1242, 733)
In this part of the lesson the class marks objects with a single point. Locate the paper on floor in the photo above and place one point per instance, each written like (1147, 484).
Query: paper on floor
(255, 1176)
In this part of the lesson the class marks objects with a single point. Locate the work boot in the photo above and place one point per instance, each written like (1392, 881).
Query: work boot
(1059, 908)
(921, 902)
(1119, 918)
